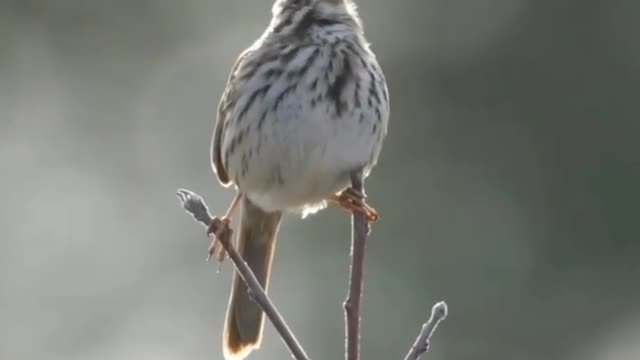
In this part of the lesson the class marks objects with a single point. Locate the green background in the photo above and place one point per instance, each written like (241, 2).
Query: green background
(508, 185)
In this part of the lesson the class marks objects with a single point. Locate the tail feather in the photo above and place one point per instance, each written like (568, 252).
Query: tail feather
(256, 243)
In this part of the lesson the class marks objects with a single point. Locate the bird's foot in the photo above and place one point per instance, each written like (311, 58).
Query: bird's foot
(219, 231)
(354, 201)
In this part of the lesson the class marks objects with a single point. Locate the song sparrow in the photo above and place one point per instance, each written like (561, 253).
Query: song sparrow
(305, 107)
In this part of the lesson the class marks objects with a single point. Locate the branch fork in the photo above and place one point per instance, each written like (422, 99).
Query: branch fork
(195, 205)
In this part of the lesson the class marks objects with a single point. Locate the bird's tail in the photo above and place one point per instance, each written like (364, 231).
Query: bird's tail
(256, 243)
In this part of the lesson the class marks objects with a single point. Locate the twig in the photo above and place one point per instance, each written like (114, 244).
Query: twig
(360, 231)
(421, 345)
(194, 204)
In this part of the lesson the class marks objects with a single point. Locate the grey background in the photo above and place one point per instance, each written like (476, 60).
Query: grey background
(508, 185)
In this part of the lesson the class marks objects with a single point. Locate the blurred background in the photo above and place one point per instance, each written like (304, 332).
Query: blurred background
(508, 185)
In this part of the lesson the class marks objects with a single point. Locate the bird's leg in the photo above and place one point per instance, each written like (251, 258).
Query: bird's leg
(354, 200)
(218, 226)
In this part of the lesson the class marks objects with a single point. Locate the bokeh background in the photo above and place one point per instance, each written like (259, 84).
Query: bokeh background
(508, 185)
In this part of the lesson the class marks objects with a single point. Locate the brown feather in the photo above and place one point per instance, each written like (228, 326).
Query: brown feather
(256, 242)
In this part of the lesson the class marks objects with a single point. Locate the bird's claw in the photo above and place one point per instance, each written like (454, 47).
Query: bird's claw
(219, 230)
(354, 200)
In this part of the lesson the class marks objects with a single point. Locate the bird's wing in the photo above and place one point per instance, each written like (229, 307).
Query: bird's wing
(224, 108)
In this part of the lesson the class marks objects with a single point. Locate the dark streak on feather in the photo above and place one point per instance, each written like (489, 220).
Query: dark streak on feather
(314, 84)
(303, 26)
(262, 119)
(283, 94)
(334, 92)
(291, 75)
(261, 91)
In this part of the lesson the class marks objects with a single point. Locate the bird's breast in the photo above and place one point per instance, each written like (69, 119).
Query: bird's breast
(297, 131)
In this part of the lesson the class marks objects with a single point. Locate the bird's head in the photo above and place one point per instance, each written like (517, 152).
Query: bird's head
(288, 13)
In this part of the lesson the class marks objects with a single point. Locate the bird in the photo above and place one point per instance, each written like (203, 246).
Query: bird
(305, 107)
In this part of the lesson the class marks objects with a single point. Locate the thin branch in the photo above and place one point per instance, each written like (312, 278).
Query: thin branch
(421, 345)
(194, 204)
(359, 233)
